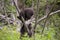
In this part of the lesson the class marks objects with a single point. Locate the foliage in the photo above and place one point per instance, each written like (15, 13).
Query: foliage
(8, 34)
(51, 32)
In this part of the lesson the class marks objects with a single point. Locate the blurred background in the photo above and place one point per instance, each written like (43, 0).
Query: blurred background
(47, 29)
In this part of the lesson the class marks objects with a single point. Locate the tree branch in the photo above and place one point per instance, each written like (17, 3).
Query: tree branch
(26, 25)
(48, 16)
(42, 18)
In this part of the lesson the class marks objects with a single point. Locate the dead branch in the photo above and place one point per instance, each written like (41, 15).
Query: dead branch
(52, 13)
(7, 19)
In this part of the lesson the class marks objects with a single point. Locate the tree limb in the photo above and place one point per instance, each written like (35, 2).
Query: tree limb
(26, 25)
(42, 18)
(52, 13)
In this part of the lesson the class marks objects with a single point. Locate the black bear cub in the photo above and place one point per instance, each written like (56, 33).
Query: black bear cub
(27, 13)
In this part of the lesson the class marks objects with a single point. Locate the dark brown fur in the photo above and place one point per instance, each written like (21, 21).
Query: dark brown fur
(27, 13)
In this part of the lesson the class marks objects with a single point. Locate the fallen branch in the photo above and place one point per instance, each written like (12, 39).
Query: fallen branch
(6, 19)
